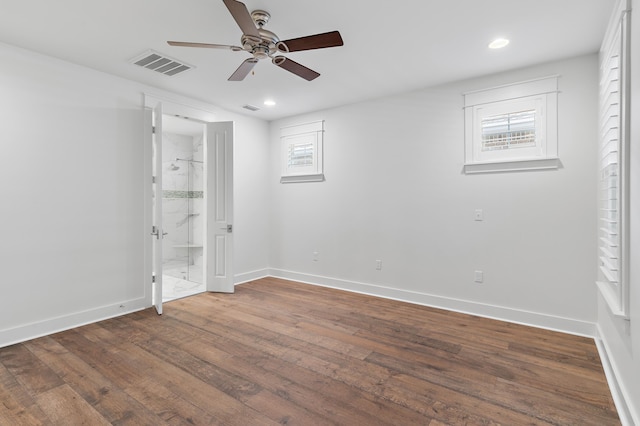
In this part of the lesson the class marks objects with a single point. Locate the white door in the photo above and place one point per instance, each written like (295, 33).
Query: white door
(156, 230)
(219, 200)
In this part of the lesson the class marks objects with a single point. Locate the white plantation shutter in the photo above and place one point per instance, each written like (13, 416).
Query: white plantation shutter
(509, 131)
(609, 166)
(612, 194)
(300, 154)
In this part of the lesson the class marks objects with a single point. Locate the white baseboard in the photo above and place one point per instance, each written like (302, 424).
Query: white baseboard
(250, 276)
(54, 325)
(48, 326)
(618, 391)
(534, 319)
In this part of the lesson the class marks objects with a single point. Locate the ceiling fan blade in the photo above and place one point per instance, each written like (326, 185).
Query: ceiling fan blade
(205, 45)
(243, 70)
(242, 16)
(318, 41)
(295, 68)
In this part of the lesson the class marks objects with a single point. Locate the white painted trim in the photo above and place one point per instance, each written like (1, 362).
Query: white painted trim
(184, 107)
(148, 205)
(533, 319)
(619, 393)
(298, 129)
(512, 91)
(245, 277)
(302, 178)
(512, 166)
(611, 298)
(48, 326)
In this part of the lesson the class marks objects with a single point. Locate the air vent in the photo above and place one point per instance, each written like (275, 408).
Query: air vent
(251, 107)
(163, 64)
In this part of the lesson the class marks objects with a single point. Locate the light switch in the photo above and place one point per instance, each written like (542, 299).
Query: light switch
(478, 215)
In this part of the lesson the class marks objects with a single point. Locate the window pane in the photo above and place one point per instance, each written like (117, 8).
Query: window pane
(509, 131)
(300, 155)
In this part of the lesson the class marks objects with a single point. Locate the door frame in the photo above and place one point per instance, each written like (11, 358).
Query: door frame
(157, 227)
(179, 109)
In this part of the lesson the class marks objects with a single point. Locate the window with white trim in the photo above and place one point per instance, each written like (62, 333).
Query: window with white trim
(614, 172)
(302, 152)
(512, 127)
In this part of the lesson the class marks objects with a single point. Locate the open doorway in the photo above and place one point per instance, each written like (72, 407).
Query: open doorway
(197, 232)
(183, 207)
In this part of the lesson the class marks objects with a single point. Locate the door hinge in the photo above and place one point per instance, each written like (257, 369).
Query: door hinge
(153, 130)
(153, 179)
(153, 278)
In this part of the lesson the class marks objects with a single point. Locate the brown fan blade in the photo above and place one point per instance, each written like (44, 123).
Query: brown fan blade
(243, 70)
(242, 16)
(296, 68)
(318, 41)
(205, 45)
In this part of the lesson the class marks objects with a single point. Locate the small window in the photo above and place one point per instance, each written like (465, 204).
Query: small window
(302, 152)
(512, 127)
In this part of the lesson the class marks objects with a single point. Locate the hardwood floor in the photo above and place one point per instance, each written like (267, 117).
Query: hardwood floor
(280, 352)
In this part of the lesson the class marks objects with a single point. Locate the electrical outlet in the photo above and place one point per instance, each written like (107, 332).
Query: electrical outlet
(379, 265)
(478, 276)
(478, 215)
(315, 256)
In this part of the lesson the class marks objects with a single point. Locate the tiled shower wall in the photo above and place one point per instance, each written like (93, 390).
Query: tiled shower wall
(182, 199)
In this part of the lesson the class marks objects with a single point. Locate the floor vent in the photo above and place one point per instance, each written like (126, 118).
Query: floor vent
(161, 63)
(251, 107)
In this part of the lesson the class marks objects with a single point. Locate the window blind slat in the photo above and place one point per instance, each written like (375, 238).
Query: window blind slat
(609, 265)
(608, 243)
(611, 276)
(608, 253)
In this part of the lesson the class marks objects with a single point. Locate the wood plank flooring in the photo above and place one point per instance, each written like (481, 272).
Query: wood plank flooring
(280, 352)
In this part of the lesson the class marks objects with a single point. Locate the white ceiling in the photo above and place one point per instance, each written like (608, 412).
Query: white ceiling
(390, 47)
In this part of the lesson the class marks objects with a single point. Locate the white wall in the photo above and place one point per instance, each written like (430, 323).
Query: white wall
(622, 338)
(72, 209)
(395, 191)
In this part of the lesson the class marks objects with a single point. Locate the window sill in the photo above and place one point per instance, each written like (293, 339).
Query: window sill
(512, 166)
(302, 178)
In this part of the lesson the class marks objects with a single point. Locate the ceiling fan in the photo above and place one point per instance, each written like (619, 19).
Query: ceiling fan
(262, 44)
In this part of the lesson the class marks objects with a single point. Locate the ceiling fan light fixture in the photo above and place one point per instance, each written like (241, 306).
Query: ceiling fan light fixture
(498, 43)
(263, 44)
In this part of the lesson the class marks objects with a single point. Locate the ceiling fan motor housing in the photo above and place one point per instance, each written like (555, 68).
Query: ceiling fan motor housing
(262, 47)
(267, 44)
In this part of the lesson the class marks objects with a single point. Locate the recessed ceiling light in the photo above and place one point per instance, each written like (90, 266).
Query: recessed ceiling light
(498, 43)
(269, 102)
